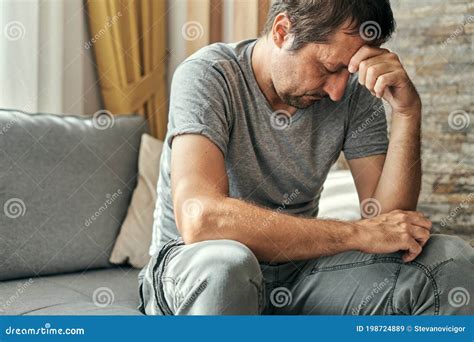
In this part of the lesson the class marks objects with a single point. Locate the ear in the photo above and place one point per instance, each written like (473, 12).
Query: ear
(280, 29)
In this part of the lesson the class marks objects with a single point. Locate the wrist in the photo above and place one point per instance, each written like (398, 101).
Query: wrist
(412, 112)
(359, 235)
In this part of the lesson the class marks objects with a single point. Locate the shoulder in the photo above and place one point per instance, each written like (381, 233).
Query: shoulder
(215, 59)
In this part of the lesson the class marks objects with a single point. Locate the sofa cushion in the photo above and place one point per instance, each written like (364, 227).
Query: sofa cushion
(135, 236)
(65, 185)
(112, 291)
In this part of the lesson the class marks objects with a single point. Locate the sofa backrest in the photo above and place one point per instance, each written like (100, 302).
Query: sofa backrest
(65, 185)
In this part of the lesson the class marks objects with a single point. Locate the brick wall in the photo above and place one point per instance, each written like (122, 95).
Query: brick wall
(434, 41)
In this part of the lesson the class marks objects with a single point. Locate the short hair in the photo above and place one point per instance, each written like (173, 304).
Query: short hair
(315, 21)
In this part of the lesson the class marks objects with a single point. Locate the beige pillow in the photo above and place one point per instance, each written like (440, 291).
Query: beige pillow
(134, 239)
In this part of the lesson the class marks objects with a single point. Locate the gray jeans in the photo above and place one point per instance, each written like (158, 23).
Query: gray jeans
(223, 277)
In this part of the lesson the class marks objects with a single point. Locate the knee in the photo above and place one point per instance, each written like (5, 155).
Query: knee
(446, 249)
(227, 260)
(441, 248)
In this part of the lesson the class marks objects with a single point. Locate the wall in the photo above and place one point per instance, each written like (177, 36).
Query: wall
(434, 41)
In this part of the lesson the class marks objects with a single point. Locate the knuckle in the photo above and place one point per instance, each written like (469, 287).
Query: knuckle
(404, 226)
(371, 71)
(383, 79)
(393, 55)
(403, 216)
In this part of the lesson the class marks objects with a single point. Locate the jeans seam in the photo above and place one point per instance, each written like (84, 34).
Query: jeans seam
(392, 292)
(157, 273)
(261, 294)
(342, 267)
(439, 265)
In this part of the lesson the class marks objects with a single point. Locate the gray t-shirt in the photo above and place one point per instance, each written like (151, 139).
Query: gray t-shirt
(272, 161)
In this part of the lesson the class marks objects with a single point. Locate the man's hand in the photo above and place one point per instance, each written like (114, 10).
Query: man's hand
(382, 73)
(395, 231)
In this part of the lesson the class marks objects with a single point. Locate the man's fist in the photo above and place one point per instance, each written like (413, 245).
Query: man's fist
(395, 231)
(383, 74)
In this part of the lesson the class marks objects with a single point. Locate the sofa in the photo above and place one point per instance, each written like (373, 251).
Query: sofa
(66, 183)
(57, 174)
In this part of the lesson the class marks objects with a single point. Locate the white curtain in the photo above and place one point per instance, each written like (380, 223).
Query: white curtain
(44, 65)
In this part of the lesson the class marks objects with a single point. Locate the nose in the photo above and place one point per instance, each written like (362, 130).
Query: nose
(335, 85)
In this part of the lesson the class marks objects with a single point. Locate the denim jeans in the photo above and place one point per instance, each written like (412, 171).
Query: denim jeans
(223, 277)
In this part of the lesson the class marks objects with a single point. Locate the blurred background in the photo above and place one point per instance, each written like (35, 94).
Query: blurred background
(80, 57)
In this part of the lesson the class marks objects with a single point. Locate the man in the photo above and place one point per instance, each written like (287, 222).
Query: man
(253, 129)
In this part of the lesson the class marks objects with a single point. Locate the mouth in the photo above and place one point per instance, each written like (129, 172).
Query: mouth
(313, 97)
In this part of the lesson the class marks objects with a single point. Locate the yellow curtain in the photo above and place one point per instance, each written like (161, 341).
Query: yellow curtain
(129, 41)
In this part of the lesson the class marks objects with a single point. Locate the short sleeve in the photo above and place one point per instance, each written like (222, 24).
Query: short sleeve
(199, 103)
(366, 133)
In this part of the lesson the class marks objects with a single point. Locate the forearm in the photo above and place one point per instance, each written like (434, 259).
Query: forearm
(273, 236)
(400, 181)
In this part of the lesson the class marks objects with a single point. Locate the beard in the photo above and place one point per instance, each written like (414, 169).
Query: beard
(301, 102)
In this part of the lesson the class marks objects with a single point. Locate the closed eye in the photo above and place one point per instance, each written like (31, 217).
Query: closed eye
(335, 71)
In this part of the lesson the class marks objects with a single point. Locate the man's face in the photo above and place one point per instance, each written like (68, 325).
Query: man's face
(315, 71)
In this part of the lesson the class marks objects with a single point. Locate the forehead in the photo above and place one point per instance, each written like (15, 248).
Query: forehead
(339, 50)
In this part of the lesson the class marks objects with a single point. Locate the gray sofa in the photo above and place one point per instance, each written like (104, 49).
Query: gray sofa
(65, 185)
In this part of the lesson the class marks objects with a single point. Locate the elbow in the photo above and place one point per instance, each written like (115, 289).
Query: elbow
(193, 219)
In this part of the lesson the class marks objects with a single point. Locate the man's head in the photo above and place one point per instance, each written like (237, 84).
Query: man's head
(314, 40)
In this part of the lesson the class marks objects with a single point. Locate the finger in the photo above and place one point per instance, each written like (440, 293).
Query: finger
(413, 250)
(420, 234)
(367, 63)
(386, 80)
(421, 221)
(365, 52)
(374, 72)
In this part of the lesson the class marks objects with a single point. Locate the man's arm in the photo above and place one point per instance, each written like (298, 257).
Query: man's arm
(395, 180)
(203, 211)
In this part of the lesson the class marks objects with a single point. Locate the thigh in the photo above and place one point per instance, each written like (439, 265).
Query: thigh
(438, 281)
(350, 283)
